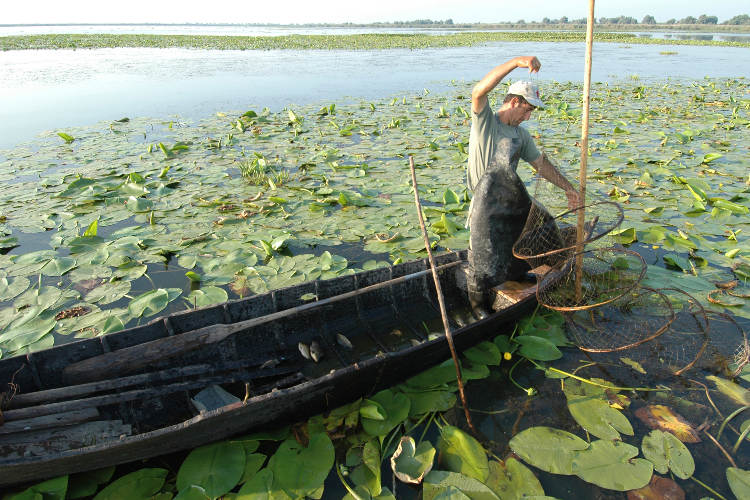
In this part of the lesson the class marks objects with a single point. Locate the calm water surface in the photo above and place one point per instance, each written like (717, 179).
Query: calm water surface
(49, 90)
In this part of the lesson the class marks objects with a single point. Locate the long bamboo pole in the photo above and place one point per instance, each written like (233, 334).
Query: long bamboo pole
(584, 149)
(441, 299)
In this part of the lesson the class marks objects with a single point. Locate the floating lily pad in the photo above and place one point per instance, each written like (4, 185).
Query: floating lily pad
(217, 468)
(612, 465)
(667, 452)
(411, 462)
(549, 449)
(460, 452)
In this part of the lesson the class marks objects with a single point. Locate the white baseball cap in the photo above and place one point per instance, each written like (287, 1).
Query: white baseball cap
(528, 91)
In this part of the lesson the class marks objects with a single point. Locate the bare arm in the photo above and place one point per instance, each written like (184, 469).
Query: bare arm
(495, 76)
(550, 172)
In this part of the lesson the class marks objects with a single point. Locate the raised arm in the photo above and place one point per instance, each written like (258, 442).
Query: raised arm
(495, 76)
(550, 172)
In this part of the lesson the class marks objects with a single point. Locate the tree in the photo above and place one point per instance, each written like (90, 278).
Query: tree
(688, 20)
(704, 19)
(670, 21)
(648, 20)
(741, 19)
(564, 20)
(546, 20)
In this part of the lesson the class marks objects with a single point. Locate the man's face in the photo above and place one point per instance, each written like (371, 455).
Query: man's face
(520, 111)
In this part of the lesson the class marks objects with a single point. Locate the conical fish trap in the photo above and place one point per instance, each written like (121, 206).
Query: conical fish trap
(550, 241)
(591, 279)
(636, 317)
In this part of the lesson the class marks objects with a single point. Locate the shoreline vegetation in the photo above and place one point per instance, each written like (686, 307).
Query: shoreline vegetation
(365, 41)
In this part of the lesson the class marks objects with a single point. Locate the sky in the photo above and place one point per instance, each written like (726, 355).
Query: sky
(339, 11)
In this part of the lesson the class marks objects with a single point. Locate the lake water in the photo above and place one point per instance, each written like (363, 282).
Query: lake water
(49, 90)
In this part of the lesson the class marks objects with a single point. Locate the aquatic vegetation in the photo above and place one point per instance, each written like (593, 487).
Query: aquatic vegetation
(365, 41)
(114, 221)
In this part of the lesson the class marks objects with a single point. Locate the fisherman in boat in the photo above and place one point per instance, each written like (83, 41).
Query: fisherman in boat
(500, 204)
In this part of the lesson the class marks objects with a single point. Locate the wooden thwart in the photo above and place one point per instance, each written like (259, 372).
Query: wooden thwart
(511, 292)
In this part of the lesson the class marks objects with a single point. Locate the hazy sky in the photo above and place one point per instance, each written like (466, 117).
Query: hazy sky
(312, 11)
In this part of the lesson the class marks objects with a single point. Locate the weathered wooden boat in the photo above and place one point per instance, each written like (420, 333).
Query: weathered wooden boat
(203, 375)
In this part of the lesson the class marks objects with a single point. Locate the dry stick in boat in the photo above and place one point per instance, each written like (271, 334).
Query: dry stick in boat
(134, 358)
(441, 300)
(67, 392)
(140, 394)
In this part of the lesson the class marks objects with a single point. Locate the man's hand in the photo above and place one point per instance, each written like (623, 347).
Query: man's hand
(574, 199)
(491, 79)
(530, 62)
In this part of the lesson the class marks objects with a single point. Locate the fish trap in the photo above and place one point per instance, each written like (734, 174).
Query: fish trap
(633, 319)
(550, 241)
(591, 279)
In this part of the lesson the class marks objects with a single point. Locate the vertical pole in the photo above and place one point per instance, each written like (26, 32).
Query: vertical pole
(584, 149)
(441, 299)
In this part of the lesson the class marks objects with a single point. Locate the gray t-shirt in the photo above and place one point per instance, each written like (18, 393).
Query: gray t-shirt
(486, 131)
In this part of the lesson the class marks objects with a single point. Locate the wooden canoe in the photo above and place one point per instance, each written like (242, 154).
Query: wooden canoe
(203, 375)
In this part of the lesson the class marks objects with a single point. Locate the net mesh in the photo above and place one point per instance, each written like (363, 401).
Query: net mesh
(596, 285)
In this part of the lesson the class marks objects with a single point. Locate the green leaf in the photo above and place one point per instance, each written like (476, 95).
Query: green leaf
(372, 410)
(549, 449)
(513, 480)
(598, 418)
(152, 302)
(734, 391)
(739, 482)
(735, 208)
(300, 470)
(92, 229)
(612, 465)
(11, 289)
(452, 485)
(85, 484)
(367, 473)
(67, 138)
(139, 205)
(58, 266)
(460, 452)
(450, 197)
(484, 353)
(667, 452)
(217, 468)
(138, 485)
(206, 296)
(193, 276)
(708, 158)
(430, 401)
(52, 489)
(253, 463)
(396, 407)
(106, 293)
(192, 492)
(624, 236)
(537, 348)
(411, 462)
(262, 487)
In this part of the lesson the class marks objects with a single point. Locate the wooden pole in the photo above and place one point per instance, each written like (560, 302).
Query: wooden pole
(441, 300)
(584, 149)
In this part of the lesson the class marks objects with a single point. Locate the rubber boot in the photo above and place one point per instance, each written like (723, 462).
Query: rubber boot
(479, 303)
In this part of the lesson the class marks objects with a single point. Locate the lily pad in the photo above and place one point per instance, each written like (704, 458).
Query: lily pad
(206, 296)
(152, 302)
(138, 485)
(739, 482)
(664, 418)
(396, 407)
(667, 452)
(612, 465)
(513, 480)
(452, 485)
(301, 470)
(217, 468)
(460, 452)
(549, 449)
(411, 462)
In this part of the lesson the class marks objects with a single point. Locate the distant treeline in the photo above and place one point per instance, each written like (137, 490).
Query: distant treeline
(742, 19)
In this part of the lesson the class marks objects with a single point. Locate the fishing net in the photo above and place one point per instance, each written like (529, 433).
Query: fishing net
(595, 284)
(550, 241)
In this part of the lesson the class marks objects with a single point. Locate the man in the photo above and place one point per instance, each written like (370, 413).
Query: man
(500, 204)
